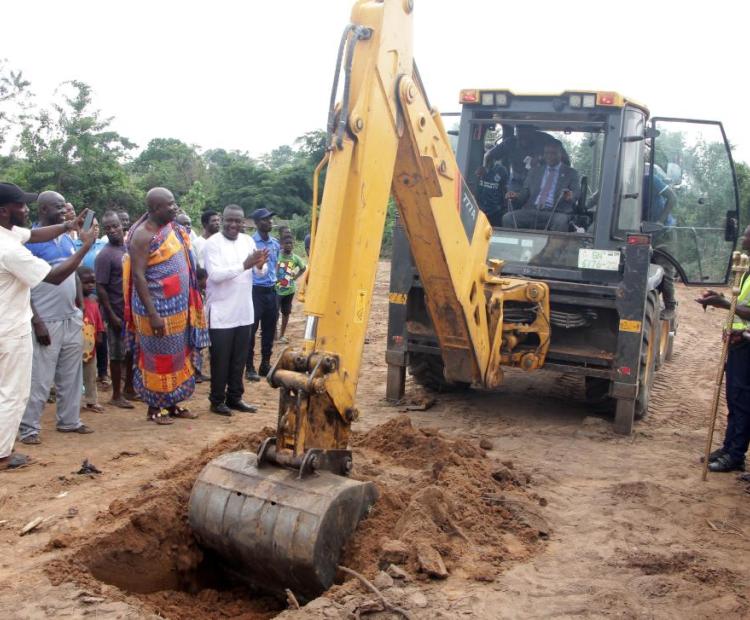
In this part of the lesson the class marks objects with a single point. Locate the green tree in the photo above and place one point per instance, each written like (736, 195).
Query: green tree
(194, 201)
(72, 150)
(15, 99)
(170, 163)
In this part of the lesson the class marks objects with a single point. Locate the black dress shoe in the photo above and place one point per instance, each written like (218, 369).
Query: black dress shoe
(726, 463)
(251, 375)
(241, 405)
(716, 455)
(221, 409)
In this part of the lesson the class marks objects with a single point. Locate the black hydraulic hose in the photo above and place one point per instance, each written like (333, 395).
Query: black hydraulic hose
(360, 33)
(420, 84)
(331, 126)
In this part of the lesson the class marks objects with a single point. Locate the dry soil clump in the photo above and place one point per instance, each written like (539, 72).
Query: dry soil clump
(444, 496)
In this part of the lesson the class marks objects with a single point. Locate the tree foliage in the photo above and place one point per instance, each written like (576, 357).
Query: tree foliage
(71, 148)
(15, 99)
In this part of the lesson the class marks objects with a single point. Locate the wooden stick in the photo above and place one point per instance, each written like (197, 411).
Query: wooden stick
(386, 605)
(291, 599)
(739, 268)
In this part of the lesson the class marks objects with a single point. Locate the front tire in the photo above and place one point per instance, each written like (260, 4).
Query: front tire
(649, 353)
(428, 371)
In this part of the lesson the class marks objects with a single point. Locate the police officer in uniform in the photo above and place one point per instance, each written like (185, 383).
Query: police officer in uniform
(491, 190)
(731, 456)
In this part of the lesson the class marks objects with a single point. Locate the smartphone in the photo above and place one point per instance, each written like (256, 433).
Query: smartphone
(89, 220)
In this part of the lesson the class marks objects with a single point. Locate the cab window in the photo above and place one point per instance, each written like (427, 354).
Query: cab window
(631, 171)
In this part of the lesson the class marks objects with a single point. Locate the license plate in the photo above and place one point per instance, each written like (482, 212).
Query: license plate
(604, 260)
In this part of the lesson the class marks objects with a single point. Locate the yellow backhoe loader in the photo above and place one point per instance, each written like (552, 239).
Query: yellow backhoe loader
(279, 518)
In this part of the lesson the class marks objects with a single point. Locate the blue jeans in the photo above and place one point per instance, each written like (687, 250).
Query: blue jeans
(266, 310)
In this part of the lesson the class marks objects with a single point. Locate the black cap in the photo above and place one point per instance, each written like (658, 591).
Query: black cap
(10, 193)
(260, 214)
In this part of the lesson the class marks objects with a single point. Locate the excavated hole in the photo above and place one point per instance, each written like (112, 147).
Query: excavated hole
(156, 559)
(146, 549)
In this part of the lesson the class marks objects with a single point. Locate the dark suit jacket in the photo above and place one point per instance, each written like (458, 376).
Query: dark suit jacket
(566, 179)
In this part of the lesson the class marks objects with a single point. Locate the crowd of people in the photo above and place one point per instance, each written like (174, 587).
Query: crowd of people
(147, 300)
(143, 302)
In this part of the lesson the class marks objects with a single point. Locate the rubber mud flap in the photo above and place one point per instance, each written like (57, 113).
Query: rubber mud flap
(273, 530)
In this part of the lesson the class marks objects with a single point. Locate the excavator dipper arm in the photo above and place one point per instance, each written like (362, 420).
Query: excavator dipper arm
(291, 507)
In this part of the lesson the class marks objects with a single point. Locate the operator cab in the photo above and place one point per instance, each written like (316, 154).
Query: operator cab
(616, 166)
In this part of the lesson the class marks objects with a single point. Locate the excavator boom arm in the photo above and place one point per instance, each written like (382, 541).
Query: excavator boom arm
(385, 141)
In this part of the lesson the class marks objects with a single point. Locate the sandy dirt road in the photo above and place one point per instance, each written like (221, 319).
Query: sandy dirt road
(633, 532)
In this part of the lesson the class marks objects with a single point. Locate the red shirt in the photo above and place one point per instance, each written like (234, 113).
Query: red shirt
(92, 325)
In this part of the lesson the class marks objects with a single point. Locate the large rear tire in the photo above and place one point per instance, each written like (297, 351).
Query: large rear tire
(427, 370)
(649, 353)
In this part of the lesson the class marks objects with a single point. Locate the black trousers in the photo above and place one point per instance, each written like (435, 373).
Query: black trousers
(228, 357)
(737, 437)
(266, 309)
(102, 358)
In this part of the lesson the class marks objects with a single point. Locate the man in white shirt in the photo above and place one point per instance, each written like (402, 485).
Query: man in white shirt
(229, 259)
(20, 271)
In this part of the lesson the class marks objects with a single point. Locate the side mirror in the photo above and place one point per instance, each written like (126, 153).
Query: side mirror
(731, 227)
(649, 228)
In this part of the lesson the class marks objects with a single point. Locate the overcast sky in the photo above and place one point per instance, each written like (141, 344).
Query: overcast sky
(251, 75)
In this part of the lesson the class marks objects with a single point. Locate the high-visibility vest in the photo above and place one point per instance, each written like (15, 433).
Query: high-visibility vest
(743, 299)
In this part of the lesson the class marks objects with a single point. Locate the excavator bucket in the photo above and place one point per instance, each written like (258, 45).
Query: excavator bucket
(272, 529)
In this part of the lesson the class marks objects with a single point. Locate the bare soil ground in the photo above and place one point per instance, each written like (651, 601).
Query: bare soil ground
(535, 506)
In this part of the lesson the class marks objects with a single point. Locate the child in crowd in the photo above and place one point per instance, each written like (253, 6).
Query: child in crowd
(93, 333)
(288, 269)
(284, 231)
(202, 276)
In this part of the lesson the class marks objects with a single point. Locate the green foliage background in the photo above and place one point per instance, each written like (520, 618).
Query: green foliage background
(72, 148)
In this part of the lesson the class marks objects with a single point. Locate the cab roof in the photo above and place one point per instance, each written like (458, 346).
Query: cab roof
(602, 98)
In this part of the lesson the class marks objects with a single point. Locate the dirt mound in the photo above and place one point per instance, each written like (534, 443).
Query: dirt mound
(412, 447)
(154, 557)
(444, 508)
(440, 495)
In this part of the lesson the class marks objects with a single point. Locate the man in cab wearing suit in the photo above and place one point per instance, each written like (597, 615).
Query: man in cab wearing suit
(548, 195)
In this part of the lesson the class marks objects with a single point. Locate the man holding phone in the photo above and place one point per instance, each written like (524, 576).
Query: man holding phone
(57, 324)
(19, 272)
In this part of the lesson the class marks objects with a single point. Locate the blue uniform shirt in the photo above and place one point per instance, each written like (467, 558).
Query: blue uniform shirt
(274, 248)
(90, 259)
(653, 198)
